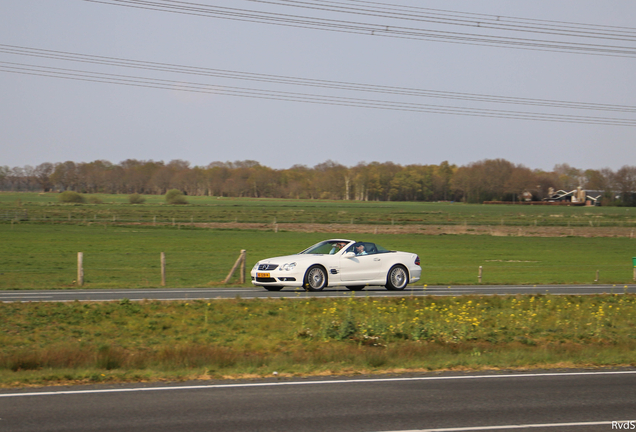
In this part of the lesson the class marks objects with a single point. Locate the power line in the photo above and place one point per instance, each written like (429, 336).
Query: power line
(71, 74)
(439, 16)
(344, 26)
(482, 17)
(306, 82)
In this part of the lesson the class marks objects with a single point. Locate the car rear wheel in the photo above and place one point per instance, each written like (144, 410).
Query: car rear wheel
(315, 278)
(397, 279)
(355, 287)
(273, 288)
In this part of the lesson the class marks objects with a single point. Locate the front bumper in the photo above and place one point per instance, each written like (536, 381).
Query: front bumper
(277, 278)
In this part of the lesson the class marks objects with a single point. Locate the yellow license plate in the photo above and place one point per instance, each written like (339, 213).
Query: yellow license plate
(262, 275)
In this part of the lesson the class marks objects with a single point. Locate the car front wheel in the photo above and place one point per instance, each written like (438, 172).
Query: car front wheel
(315, 278)
(397, 279)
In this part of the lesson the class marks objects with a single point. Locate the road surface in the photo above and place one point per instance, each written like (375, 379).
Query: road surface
(537, 401)
(248, 293)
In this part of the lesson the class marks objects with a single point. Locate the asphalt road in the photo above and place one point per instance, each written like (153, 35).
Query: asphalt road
(581, 401)
(247, 293)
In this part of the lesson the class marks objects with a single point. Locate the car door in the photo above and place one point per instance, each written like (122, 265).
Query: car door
(361, 267)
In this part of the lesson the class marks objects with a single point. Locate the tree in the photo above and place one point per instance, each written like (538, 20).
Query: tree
(330, 180)
(379, 176)
(412, 183)
(91, 176)
(599, 180)
(216, 175)
(545, 182)
(265, 181)
(494, 179)
(486, 180)
(625, 182)
(137, 174)
(114, 181)
(17, 178)
(43, 175)
(522, 180)
(65, 176)
(297, 182)
(463, 185)
(161, 180)
(569, 177)
(440, 181)
(4, 173)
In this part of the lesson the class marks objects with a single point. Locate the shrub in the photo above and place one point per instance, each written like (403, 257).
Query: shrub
(175, 196)
(71, 197)
(136, 199)
(95, 200)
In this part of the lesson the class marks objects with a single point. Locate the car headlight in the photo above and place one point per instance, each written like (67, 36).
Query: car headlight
(288, 267)
(255, 266)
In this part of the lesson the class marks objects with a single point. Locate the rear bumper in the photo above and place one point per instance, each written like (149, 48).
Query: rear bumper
(415, 274)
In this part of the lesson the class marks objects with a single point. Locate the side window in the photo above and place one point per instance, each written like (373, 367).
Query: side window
(370, 248)
(363, 248)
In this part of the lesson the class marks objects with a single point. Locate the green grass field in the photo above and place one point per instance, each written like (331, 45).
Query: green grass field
(48, 343)
(44, 256)
(61, 343)
(46, 207)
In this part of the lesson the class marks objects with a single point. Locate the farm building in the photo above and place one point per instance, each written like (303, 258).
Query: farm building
(577, 196)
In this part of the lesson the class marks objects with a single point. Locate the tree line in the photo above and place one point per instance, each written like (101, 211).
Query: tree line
(485, 180)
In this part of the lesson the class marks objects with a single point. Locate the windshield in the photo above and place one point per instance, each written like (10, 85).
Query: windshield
(328, 247)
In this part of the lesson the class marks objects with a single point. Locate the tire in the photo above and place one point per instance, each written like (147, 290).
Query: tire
(273, 288)
(315, 278)
(355, 287)
(397, 279)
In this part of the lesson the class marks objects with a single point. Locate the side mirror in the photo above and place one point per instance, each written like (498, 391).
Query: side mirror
(349, 255)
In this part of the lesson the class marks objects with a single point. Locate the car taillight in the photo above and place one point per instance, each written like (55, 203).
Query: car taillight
(417, 260)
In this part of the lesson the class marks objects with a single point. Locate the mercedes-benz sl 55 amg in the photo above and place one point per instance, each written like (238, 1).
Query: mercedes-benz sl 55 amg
(339, 262)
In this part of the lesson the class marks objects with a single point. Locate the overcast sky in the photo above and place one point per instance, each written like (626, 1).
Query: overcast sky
(49, 119)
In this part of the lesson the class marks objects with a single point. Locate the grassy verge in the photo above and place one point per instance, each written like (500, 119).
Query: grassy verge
(201, 209)
(48, 343)
(45, 256)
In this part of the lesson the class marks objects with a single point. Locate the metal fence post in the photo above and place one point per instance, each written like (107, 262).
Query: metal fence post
(80, 268)
(163, 269)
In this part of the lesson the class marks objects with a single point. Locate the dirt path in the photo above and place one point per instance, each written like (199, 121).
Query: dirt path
(502, 231)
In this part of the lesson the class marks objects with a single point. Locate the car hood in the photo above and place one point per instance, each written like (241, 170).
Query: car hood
(287, 259)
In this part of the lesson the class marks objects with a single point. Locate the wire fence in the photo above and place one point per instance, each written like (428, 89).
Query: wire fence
(247, 217)
(190, 269)
(124, 270)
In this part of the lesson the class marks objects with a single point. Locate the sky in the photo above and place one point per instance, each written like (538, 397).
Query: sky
(52, 119)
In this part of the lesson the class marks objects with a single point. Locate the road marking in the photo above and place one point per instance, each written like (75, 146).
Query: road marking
(509, 427)
(325, 382)
(122, 291)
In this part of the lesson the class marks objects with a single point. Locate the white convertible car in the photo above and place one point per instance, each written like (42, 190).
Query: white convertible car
(339, 262)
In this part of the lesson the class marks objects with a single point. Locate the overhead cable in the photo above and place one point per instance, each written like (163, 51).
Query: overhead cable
(373, 29)
(71, 74)
(439, 16)
(306, 82)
